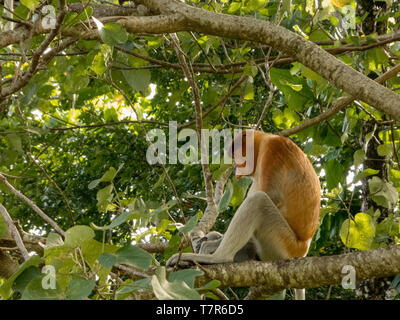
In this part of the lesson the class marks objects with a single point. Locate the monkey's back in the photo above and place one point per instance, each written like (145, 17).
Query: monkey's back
(289, 179)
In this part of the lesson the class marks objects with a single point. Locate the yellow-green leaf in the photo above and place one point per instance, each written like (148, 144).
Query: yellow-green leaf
(360, 233)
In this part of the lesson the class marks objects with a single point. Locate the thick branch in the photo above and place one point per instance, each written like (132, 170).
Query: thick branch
(176, 16)
(8, 265)
(306, 52)
(309, 272)
(14, 232)
(100, 10)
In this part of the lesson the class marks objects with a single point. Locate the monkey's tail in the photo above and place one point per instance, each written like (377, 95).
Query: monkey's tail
(300, 294)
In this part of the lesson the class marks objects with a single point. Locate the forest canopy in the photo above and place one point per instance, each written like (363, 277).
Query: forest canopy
(84, 214)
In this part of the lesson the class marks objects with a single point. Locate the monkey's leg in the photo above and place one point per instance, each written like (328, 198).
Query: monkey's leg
(278, 241)
(239, 232)
(256, 216)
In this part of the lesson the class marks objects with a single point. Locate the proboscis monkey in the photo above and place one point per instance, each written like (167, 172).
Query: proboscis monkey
(280, 213)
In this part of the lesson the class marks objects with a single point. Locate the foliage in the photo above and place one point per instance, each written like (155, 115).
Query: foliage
(79, 118)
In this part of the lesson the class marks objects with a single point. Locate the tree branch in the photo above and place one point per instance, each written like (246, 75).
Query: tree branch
(308, 272)
(14, 232)
(177, 16)
(33, 205)
(337, 105)
(305, 51)
(211, 212)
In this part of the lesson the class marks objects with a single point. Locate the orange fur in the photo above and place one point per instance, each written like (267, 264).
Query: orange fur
(283, 171)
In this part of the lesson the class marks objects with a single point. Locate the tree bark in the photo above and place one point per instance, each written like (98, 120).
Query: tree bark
(308, 272)
(8, 265)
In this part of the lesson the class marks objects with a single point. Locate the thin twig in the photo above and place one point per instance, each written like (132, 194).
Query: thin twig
(337, 105)
(33, 205)
(66, 201)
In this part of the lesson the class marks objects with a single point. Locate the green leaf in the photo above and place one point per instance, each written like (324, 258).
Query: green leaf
(249, 91)
(190, 224)
(79, 289)
(14, 142)
(94, 184)
(286, 82)
(234, 6)
(383, 193)
(177, 290)
(376, 57)
(3, 227)
(53, 240)
(109, 175)
(173, 246)
(30, 4)
(110, 115)
(249, 70)
(75, 18)
(5, 289)
(113, 33)
(359, 157)
(134, 286)
(385, 150)
(35, 291)
(104, 197)
(331, 208)
(187, 276)
(165, 207)
(99, 65)
(76, 235)
(159, 181)
(388, 227)
(308, 73)
(92, 249)
(122, 218)
(21, 12)
(254, 5)
(226, 197)
(358, 234)
(366, 173)
(212, 285)
(334, 173)
(139, 80)
(107, 260)
(240, 187)
(25, 277)
(134, 256)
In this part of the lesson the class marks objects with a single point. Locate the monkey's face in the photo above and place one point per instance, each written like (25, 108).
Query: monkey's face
(244, 151)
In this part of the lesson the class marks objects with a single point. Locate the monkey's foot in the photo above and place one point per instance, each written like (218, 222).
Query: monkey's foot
(183, 262)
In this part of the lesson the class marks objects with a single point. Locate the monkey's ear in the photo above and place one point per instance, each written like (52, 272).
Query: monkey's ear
(238, 143)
